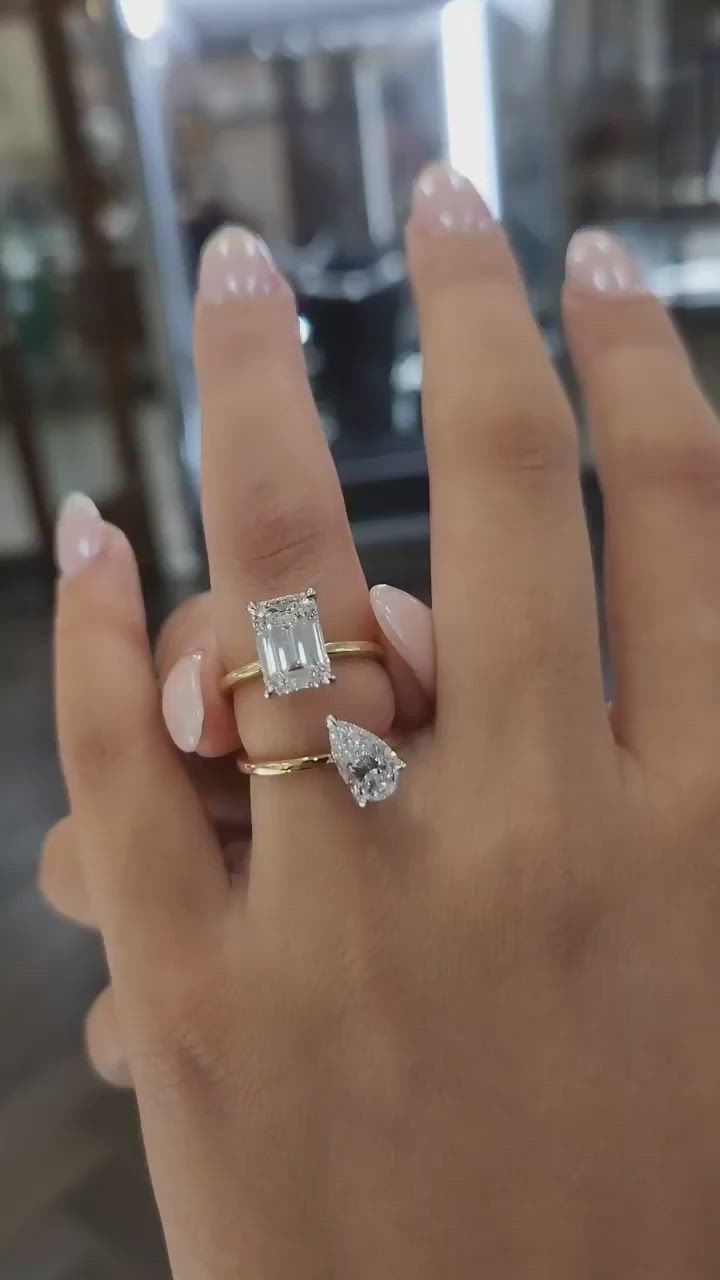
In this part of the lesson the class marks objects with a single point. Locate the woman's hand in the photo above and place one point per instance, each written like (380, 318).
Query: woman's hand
(202, 724)
(469, 1031)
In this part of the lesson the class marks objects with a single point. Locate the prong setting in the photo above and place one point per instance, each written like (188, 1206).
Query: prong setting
(290, 644)
(369, 767)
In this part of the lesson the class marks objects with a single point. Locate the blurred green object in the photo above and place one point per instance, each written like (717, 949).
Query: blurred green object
(37, 323)
(30, 291)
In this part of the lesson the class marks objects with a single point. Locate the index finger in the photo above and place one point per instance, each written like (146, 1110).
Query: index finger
(151, 859)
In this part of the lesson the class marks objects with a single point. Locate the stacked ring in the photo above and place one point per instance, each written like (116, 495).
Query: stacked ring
(364, 649)
(293, 656)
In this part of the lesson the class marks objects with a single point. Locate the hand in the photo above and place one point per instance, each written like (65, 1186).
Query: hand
(202, 725)
(470, 1031)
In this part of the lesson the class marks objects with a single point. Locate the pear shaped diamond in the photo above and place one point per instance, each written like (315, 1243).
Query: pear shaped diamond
(368, 765)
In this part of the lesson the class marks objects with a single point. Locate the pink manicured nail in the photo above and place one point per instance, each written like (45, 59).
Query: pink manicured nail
(408, 625)
(80, 534)
(446, 203)
(238, 264)
(182, 703)
(598, 262)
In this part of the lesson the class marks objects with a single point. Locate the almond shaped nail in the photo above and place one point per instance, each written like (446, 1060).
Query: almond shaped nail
(238, 264)
(408, 625)
(79, 535)
(182, 703)
(447, 203)
(600, 264)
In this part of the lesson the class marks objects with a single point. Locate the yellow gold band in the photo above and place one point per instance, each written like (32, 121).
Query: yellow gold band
(281, 768)
(367, 649)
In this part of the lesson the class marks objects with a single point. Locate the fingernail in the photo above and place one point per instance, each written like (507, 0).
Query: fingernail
(407, 624)
(446, 203)
(79, 535)
(238, 264)
(598, 262)
(182, 703)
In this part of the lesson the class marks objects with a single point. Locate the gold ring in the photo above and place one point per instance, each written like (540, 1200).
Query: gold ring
(367, 649)
(369, 767)
(281, 768)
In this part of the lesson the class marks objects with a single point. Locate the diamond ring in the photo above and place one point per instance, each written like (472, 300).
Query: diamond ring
(369, 767)
(292, 652)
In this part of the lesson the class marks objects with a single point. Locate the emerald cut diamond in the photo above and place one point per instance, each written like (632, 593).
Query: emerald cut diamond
(291, 647)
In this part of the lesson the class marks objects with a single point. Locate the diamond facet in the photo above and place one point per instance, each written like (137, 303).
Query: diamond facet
(368, 765)
(290, 644)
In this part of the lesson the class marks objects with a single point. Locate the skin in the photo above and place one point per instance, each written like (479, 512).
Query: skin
(223, 793)
(471, 1032)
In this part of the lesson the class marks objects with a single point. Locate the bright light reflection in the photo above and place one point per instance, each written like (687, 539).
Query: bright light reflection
(531, 15)
(143, 19)
(469, 96)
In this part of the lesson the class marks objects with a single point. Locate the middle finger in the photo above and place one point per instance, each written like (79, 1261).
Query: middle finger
(513, 598)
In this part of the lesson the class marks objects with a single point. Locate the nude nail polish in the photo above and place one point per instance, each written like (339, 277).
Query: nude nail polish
(79, 535)
(238, 264)
(407, 624)
(447, 203)
(182, 703)
(600, 264)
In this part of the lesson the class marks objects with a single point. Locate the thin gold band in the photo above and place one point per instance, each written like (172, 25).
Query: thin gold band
(281, 768)
(367, 649)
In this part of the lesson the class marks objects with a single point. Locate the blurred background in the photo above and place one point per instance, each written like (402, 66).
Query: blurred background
(130, 130)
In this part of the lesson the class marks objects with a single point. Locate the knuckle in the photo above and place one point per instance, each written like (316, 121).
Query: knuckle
(531, 444)
(117, 747)
(181, 1043)
(285, 540)
(186, 1066)
(519, 439)
(687, 461)
(559, 905)
(540, 897)
(92, 752)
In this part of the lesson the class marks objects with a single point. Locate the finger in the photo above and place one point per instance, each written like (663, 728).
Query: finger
(62, 878)
(199, 719)
(513, 599)
(190, 669)
(658, 449)
(103, 1042)
(407, 629)
(274, 515)
(155, 865)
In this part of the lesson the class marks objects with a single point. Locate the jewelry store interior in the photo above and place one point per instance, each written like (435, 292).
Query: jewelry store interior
(130, 131)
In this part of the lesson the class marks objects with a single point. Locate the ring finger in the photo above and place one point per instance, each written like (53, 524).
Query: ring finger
(275, 519)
